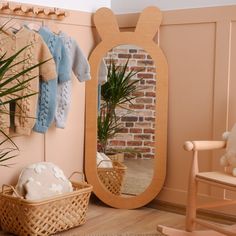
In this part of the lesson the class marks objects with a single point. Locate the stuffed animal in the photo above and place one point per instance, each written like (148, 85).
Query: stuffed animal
(229, 158)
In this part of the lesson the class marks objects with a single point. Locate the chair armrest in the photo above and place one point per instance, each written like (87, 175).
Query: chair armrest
(203, 145)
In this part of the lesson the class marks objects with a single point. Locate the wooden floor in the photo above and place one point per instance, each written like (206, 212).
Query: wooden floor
(106, 221)
(138, 175)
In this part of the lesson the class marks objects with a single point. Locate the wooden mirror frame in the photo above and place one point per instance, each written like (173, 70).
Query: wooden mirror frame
(147, 26)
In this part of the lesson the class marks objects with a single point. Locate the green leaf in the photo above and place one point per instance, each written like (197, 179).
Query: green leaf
(11, 86)
(116, 92)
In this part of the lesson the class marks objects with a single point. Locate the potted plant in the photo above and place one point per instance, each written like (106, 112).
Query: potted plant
(116, 92)
(9, 94)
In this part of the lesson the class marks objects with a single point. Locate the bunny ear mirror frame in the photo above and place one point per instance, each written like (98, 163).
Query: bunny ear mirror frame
(108, 29)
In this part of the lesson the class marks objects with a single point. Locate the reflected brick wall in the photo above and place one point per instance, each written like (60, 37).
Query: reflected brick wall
(139, 121)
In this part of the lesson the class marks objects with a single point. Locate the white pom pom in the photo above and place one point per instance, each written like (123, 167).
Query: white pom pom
(225, 135)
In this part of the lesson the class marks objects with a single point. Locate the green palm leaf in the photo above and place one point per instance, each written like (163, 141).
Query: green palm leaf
(11, 86)
(116, 92)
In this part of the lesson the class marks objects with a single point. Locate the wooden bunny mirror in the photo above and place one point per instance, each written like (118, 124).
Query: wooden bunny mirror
(136, 57)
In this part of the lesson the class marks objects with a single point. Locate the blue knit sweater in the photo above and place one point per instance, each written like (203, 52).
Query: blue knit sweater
(48, 90)
(81, 69)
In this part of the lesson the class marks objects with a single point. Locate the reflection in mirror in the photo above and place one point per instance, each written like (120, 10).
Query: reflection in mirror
(126, 120)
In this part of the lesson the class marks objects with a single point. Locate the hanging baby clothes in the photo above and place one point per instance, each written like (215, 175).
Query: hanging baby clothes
(37, 51)
(48, 89)
(81, 69)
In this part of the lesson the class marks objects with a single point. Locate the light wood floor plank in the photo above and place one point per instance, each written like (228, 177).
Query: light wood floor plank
(106, 221)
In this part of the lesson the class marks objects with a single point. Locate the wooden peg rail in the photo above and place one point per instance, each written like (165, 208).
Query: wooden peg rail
(20, 9)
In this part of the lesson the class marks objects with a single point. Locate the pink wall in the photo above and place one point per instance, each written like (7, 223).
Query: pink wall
(64, 147)
(200, 48)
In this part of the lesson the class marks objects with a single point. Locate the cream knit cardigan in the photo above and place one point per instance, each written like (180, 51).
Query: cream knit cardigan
(37, 51)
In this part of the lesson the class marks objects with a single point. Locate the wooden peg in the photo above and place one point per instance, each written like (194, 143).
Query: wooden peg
(60, 12)
(26, 9)
(49, 11)
(4, 5)
(38, 10)
(21, 9)
(14, 6)
(66, 13)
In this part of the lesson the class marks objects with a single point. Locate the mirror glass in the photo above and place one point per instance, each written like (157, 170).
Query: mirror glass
(126, 120)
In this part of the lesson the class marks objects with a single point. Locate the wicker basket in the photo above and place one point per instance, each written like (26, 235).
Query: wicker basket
(116, 156)
(113, 177)
(55, 214)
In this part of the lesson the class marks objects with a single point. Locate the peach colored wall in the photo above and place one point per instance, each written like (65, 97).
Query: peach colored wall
(200, 48)
(198, 44)
(64, 147)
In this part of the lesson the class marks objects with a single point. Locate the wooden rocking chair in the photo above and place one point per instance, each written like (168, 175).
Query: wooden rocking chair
(217, 179)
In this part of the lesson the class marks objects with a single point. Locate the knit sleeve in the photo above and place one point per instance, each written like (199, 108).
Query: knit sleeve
(64, 70)
(102, 75)
(47, 70)
(80, 65)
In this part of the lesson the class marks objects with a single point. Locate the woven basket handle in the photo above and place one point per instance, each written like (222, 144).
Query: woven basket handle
(78, 173)
(6, 186)
(102, 161)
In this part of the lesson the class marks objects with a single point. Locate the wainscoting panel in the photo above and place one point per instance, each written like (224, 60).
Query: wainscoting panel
(200, 48)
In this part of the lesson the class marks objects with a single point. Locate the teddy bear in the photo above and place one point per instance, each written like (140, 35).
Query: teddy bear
(228, 160)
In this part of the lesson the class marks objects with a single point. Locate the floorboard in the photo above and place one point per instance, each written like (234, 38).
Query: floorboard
(106, 221)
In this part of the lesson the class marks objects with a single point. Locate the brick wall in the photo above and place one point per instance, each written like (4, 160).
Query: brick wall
(139, 122)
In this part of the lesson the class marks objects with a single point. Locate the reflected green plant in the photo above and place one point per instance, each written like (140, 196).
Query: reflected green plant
(117, 91)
